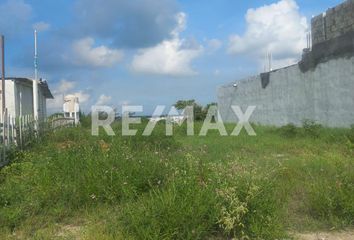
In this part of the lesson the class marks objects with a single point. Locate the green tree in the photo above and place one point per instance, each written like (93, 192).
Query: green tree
(197, 108)
(182, 104)
(206, 108)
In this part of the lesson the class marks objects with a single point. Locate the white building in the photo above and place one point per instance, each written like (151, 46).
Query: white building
(19, 97)
(174, 119)
(71, 108)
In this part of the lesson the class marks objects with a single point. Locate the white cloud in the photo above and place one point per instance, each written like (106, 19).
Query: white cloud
(124, 102)
(55, 104)
(41, 26)
(64, 88)
(103, 100)
(15, 17)
(214, 44)
(85, 54)
(125, 24)
(181, 19)
(170, 57)
(83, 96)
(278, 28)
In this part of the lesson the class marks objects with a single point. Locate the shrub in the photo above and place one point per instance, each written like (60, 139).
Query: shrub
(350, 135)
(181, 211)
(289, 131)
(85, 120)
(66, 174)
(331, 200)
(248, 207)
(311, 128)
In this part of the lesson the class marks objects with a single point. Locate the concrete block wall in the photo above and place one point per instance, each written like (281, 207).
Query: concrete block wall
(325, 95)
(333, 23)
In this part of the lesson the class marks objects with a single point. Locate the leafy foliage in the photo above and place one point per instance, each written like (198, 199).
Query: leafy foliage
(289, 131)
(311, 128)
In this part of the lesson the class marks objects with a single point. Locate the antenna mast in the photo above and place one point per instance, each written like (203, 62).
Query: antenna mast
(35, 81)
(35, 56)
(3, 73)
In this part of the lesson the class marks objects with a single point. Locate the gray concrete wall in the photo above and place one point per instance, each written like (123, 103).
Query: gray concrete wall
(325, 94)
(333, 23)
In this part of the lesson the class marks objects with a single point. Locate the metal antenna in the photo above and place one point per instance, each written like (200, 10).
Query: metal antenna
(35, 81)
(35, 56)
(3, 73)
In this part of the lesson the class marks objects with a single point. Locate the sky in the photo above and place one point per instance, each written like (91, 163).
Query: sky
(151, 52)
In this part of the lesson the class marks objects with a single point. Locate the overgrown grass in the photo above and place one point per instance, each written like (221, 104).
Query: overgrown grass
(180, 187)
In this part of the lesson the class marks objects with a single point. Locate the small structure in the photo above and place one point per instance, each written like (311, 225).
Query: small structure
(71, 108)
(19, 97)
(178, 119)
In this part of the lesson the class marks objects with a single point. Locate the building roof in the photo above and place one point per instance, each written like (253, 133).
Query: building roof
(42, 84)
(46, 91)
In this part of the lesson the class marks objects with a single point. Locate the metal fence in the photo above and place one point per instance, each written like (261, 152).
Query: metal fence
(19, 132)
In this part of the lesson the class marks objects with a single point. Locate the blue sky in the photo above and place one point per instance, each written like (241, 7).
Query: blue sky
(151, 52)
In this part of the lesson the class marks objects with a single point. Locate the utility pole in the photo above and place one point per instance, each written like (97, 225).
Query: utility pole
(35, 82)
(3, 74)
(3, 107)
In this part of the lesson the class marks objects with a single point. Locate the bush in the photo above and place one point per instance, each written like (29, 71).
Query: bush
(181, 211)
(289, 131)
(248, 207)
(85, 120)
(202, 200)
(311, 128)
(331, 195)
(350, 135)
(66, 174)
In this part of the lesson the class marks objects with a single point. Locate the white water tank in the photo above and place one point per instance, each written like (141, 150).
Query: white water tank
(71, 107)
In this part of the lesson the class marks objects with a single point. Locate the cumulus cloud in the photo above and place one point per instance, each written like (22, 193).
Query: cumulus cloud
(85, 54)
(56, 104)
(278, 28)
(65, 87)
(41, 26)
(214, 44)
(119, 24)
(72, 54)
(83, 96)
(170, 57)
(127, 24)
(103, 100)
(61, 89)
(124, 102)
(14, 17)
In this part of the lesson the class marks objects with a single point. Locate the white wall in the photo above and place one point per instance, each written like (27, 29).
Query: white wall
(325, 95)
(24, 99)
(9, 97)
(19, 99)
(42, 105)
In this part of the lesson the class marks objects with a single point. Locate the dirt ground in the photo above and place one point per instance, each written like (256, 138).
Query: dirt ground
(347, 235)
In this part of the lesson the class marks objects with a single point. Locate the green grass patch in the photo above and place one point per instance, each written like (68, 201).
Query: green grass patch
(180, 187)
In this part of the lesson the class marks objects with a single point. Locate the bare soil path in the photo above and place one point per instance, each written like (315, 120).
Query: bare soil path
(345, 235)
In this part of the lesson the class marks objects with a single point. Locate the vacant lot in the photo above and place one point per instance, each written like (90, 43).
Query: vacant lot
(71, 185)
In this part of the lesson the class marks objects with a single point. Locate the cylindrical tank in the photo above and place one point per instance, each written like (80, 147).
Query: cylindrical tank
(71, 103)
(71, 107)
